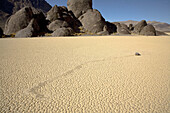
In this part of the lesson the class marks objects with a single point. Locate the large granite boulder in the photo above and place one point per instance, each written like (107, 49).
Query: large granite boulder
(63, 32)
(18, 21)
(1, 32)
(148, 30)
(29, 31)
(79, 7)
(139, 26)
(36, 27)
(122, 29)
(92, 21)
(57, 24)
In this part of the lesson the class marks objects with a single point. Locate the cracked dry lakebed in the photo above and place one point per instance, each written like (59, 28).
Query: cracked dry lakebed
(85, 74)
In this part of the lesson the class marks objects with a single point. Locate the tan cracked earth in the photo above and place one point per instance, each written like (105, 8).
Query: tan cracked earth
(85, 74)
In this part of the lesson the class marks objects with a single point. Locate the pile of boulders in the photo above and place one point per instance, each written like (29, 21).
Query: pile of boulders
(63, 21)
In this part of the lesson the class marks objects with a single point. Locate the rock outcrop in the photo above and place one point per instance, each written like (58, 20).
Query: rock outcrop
(22, 18)
(148, 30)
(10, 7)
(62, 13)
(18, 21)
(92, 21)
(63, 32)
(79, 7)
(139, 26)
(37, 27)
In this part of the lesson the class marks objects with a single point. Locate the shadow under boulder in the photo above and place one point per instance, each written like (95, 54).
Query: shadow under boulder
(1, 32)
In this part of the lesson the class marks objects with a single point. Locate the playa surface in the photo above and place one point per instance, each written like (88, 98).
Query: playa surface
(85, 74)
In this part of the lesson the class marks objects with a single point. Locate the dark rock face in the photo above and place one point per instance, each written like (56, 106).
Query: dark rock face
(148, 30)
(42, 23)
(111, 28)
(9, 7)
(1, 32)
(62, 13)
(138, 27)
(63, 32)
(18, 21)
(92, 21)
(122, 29)
(131, 28)
(58, 24)
(79, 7)
(22, 18)
(36, 27)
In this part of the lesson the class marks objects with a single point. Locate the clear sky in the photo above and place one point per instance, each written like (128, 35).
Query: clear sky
(122, 10)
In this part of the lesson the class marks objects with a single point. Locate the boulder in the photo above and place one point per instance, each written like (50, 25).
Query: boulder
(139, 26)
(36, 27)
(79, 7)
(29, 31)
(122, 29)
(1, 32)
(63, 32)
(92, 21)
(148, 30)
(18, 21)
(54, 13)
(57, 24)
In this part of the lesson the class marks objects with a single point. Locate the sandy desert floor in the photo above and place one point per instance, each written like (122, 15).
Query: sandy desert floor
(85, 74)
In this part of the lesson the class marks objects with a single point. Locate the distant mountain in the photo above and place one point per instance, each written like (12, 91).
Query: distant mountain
(160, 26)
(9, 7)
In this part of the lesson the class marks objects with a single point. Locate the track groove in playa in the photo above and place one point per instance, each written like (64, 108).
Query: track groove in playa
(42, 84)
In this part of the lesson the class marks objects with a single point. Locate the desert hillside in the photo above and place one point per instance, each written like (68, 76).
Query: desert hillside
(85, 74)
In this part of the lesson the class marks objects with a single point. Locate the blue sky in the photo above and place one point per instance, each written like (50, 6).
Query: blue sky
(122, 10)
